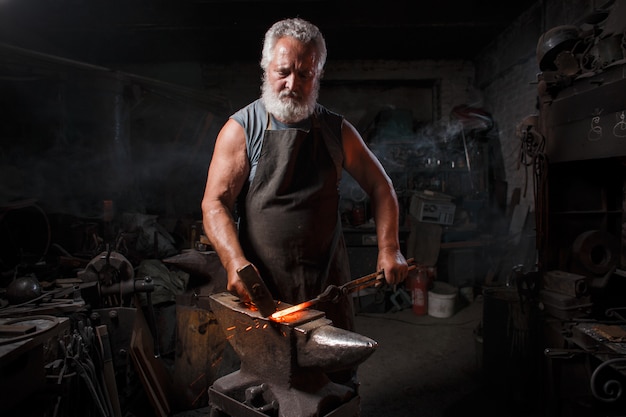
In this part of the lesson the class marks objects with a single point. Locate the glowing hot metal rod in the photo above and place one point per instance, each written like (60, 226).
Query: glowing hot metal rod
(334, 292)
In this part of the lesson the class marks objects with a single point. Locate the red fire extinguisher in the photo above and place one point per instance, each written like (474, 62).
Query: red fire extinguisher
(419, 281)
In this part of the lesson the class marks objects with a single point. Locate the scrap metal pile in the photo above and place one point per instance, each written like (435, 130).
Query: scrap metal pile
(87, 315)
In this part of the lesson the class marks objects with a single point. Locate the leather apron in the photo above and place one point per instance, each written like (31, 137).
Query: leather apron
(290, 226)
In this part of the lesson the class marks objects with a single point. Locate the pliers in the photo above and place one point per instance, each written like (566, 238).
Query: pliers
(334, 292)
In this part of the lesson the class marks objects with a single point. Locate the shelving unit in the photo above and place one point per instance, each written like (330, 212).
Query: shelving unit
(583, 196)
(440, 166)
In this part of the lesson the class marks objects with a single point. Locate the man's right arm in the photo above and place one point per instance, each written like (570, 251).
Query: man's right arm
(227, 174)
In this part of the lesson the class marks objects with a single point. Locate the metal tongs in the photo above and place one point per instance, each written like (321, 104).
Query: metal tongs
(333, 293)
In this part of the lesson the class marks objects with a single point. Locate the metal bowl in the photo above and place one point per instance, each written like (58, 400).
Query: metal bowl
(551, 43)
(23, 289)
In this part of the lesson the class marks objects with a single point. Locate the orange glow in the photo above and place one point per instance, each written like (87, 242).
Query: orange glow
(280, 319)
(198, 397)
(279, 315)
(248, 328)
(232, 328)
(375, 279)
(197, 379)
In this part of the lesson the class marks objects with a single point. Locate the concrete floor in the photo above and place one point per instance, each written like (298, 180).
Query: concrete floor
(424, 366)
(433, 367)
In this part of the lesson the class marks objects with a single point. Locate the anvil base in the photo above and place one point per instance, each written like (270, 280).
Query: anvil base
(243, 395)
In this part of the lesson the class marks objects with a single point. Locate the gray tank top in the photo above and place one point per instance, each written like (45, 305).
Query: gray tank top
(253, 118)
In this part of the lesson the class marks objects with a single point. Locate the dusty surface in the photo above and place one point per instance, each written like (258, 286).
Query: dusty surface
(424, 366)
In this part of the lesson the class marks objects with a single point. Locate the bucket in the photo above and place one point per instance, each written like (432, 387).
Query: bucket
(442, 299)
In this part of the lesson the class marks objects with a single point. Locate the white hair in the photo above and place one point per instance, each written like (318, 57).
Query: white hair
(296, 28)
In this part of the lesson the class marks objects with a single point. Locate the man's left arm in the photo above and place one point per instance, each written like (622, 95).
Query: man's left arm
(367, 170)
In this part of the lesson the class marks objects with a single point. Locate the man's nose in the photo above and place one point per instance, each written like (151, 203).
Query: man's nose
(292, 81)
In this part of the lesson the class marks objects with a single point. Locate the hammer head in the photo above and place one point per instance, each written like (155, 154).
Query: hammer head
(259, 294)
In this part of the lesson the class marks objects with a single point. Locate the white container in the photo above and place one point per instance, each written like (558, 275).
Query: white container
(442, 300)
(432, 207)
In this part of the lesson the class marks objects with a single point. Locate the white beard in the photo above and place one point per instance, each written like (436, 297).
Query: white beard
(286, 106)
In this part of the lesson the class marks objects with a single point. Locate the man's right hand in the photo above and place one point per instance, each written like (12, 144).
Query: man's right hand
(235, 284)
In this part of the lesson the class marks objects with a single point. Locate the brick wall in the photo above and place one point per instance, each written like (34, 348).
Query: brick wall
(506, 73)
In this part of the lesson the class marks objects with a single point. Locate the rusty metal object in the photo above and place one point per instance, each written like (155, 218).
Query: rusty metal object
(284, 365)
(151, 371)
(554, 41)
(108, 268)
(334, 292)
(331, 293)
(23, 289)
(22, 359)
(114, 275)
(204, 265)
(595, 252)
(200, 354)
(567, 283)
(605, 52)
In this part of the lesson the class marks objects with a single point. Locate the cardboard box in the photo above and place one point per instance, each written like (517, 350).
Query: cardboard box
(432, 207)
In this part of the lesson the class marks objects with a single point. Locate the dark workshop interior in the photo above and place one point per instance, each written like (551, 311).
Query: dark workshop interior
(501, 123)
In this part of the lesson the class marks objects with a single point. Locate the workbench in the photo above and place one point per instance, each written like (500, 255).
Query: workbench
(27, 344)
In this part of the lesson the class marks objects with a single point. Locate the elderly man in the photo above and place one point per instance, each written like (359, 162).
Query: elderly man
(272, 191)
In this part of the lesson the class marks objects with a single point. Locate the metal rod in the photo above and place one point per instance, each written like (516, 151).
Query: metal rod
(363, 282)
(467, 159)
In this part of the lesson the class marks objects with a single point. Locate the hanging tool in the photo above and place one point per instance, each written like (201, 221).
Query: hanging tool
(108, 371)
(334, 292)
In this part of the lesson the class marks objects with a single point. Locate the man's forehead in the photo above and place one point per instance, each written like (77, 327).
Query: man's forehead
(289, 49)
